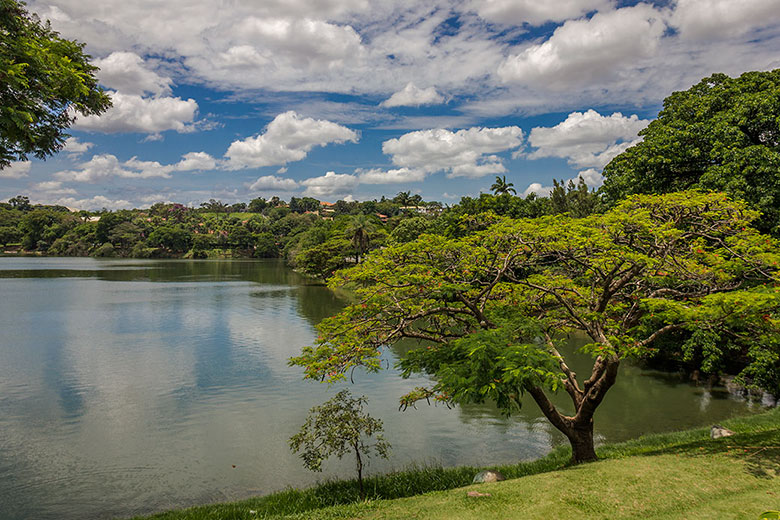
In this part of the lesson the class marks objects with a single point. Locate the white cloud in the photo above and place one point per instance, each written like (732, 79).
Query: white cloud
(412, 96)
(126, 72)
(714, 19)
(103, 166)
(485, 61)
(331, 184)
(398, 175)
(581, 51)
(196, 161)
(76, 147)
(95, 203)
(465, 153)
(278, 52)
(300, 40)
(586, 138)
(48, 185)
(16, 170)
(133, 113)
(538, 189)
(535, 12)
(287, 138)
(53, 188)
(146, 169)
(273, 183)
(297, 45)
(592, 177)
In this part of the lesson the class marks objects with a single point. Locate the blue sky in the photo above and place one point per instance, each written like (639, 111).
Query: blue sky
(355, 99)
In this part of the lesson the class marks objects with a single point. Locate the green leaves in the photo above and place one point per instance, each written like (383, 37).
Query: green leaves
(722, 134)
(337, 427)
(482, 304)
(45, 80)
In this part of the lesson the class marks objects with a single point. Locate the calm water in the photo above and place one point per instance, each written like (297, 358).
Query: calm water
(130, 387)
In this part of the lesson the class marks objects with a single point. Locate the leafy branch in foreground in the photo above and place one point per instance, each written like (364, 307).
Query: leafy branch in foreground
(491, 308)
(46, 80)
(337, 427)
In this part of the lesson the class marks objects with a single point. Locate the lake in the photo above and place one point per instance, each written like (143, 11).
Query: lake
(134, 386)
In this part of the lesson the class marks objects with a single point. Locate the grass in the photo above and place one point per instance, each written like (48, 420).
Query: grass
(675, 475)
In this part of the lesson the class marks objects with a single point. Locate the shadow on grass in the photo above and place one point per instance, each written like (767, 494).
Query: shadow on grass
(760, 451)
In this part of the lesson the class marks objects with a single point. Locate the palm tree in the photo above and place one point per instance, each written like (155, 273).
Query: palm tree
(501, 186)
(359, 233)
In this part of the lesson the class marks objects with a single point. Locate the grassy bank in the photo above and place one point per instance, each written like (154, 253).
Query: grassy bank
(659, 476)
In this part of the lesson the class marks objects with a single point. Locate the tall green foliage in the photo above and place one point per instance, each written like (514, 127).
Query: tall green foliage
(721, 134)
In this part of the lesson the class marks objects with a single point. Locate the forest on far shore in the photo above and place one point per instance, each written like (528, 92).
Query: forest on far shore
(313, 236)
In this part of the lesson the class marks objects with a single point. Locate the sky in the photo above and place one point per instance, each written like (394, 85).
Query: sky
(355, 99)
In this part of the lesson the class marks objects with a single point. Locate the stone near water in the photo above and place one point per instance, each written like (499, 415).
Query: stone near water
(717, 431)
(488, 476)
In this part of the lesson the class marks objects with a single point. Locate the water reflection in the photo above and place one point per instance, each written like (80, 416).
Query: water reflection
(132, 386)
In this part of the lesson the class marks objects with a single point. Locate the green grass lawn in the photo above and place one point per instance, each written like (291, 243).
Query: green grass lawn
(669, 476)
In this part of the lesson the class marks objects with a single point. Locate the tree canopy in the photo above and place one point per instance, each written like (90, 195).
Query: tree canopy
(721, 134)
(46, 80)
(490, 308)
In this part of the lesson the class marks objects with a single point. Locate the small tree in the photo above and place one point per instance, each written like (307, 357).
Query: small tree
(337, 427)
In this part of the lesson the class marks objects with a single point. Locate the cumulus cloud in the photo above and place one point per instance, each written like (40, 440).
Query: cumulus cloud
(133, 113)
(713, 19)
(95, 203)
(126, 72)
(538, 189)
(99, 167)
(592, 177)
(300, 40)
(196, 161)
(16, 170)
(103, 166)
(273, 183)
(373, 48)
(586, 138)
(534, 12)
(465, 153)
(397, 175)
(53, 188)
(287, 138)
(331, 184)
(581, 51)
(412, 96)
(76, 147)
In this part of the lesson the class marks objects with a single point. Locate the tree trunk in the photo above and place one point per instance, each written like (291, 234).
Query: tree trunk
(579, 428)
(359, 467)
(581, 440)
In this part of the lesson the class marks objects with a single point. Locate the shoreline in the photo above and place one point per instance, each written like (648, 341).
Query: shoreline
(417, 483)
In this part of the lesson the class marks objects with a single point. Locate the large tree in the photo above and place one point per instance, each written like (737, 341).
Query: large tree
(721, 134)
(491, 308)
(45, 80)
